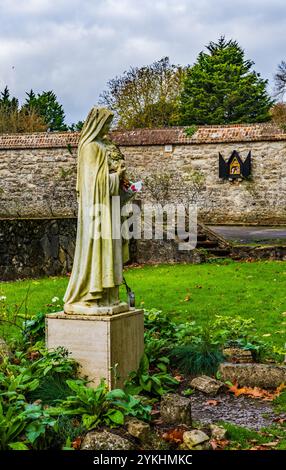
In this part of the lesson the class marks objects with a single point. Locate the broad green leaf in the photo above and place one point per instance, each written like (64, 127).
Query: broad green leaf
(116, 416)
(116, 394)
(18, 446)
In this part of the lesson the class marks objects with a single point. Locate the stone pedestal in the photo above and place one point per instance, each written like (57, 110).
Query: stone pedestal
(106, 346)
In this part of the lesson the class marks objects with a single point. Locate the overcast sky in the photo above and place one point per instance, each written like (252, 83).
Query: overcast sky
(74, 46)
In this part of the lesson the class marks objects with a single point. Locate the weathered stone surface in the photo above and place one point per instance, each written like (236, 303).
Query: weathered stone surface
(204, 446)
(38, 174)
(32, 248)
(194, 438)
(176, 409)
(253, 375)
(138, 429)
(104, 440)
(39, 171)
(237, 355)
(207, 384)
(217, 432)
(100, 343)
(274, 252)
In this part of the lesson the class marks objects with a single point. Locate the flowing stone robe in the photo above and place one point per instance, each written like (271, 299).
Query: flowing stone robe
(98, 260)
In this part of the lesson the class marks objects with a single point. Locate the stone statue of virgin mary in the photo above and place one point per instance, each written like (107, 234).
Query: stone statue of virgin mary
(98, 262)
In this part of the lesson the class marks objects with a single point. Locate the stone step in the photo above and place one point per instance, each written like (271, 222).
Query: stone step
(207, 244)
(201, 237)
(253, 374)
(219, 252)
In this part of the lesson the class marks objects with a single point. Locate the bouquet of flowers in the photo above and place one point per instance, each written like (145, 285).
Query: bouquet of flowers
(130, 188)
(135, 187)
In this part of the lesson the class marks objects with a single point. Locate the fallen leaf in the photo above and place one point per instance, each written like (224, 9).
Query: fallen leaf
(179, 378)
(219, 444)
(174, 435)
(280, 388)
(256, 392)
(158, 421)
(34, 355)
(187, 298)
(212, 402)
(279, 420)
(77, 443)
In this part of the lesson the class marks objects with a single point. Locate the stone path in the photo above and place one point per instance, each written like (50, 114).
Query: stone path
(243, 411)
(251, 234)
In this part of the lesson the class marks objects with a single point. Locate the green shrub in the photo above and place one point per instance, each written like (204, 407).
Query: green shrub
(227, 328)
(153, 383)
(25, 426)
(198, 357)
(159, 322)
(97, 406)
(34, 329)
(52, 388)
(12, 426)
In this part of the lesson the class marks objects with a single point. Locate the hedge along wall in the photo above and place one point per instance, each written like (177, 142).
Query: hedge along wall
(37, 185)
(38, 171)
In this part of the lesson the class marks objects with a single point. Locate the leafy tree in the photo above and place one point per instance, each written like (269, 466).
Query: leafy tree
(222, 88)
(47, 106)
(278, 115)
(280, 79)
(15, 119)
(145, 96)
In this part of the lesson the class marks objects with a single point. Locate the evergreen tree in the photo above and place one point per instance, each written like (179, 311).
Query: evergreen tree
(76, 126)
(16, 119)
(222, 88)
(47, 106)
(10, 104)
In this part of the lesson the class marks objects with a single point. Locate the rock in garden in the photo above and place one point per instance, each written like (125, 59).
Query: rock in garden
(176, 409)
(138, 429)
(253, 375)
(105, 440)
(207, 385)
(217, 432)
(237, 355)
(194, 438)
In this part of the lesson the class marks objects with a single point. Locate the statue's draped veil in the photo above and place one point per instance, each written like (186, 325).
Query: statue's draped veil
(96, 259)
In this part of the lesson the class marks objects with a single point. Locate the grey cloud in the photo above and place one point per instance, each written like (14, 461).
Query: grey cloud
(75, 46)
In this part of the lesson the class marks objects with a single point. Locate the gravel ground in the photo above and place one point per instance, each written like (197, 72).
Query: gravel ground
(243, 411)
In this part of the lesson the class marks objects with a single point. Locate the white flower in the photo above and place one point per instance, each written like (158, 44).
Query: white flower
(55, 299)
(3, 297)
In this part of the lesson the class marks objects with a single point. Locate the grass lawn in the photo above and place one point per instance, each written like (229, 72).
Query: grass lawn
(188, 292)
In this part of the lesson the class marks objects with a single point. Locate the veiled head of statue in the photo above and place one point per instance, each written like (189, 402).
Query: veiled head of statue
(97, 125)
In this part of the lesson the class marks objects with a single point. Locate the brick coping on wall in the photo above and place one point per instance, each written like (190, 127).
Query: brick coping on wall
(171, 135)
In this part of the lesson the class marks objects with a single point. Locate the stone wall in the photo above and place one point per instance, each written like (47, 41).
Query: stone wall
(38, 171)
(33, 248)
(38, 204)
(260, 200)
